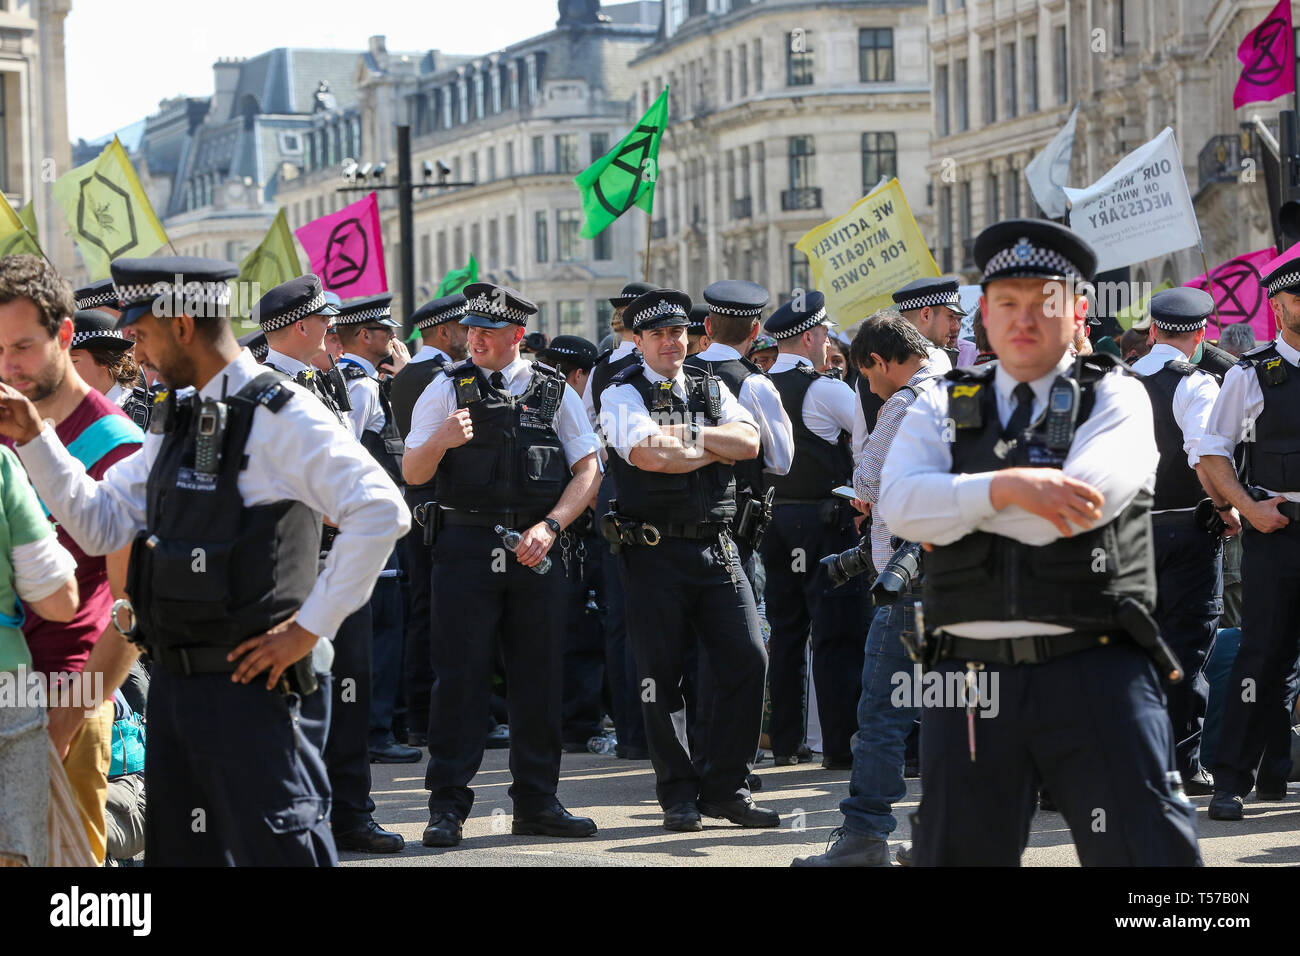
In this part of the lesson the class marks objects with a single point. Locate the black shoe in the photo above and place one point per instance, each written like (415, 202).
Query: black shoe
(1225, 806)
(837, 761)
(443, 830)
(742, 812)
(553, 821)
(416, 740)
(911, 771)
(371, 838)
(499, 738)
(393, 752)
(1198, 784)
(1268, 790)
(801, 755)
(754, 782)
(683, 817)
(574, 747)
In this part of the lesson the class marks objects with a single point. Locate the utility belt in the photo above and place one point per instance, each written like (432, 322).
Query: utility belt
(1287, 509)
(433, 518)
(832, 510)
(623, 531)
(753, 518)
(298, 678)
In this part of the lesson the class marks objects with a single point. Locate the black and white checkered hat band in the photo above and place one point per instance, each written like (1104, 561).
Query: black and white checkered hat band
(1168, 326)
(934, 298)
(314, 304)
(364, 315)
(1282, 283)
(81, 338)
(662, 307)
(201, 293)
(442, 315)
(491, 307)
(814, 320)
(107, 297)
(727, 310)
(1025, 255)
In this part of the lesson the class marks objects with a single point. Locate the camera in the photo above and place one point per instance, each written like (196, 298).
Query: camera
(848, 564)
(897, 576)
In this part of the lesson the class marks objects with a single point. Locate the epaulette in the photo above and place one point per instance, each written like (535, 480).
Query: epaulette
(270, 390)
(753, 369)
(625, 374)
(352, 371)
(456, 366)
(971, 373)
(604, 355)
(1253, 355)
(808, 370)
(1183, 368)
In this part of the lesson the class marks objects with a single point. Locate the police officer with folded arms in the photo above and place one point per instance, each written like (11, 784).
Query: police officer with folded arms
(1030, 477)
(508, 447)
(1187, 516)
(808, 523)
(224, 575)
(1257, 410)
(676, 434)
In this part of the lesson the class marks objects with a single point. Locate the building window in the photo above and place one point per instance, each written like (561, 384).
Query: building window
(446, 109)
(462, 89)
(760, 158)
(964, 223)
(539, 238)
(961, 96)
(945, 228)
(442, 254)
(512, 242)
(758, 66)
(744, 70)
(604, 314)
(1061, 66)
(726, 73)
(602, 247)
(876, 55)
(496, 91)
(992, 205)
(802, 150)
(426, 258)
(494, 244)
(569, 313)
(798, 59)
(455, 170)
(879, 159)
(539, 321)
(988, 79)
(491, 163)
(473, 167)
(458, 246)
(539, 154)
(941, 99)
(478, 96)
(567, 224)
(510, 160)
(566, 153)
(1009, 76)
(1013, 194)
(1031, 74)
(599, 145)
(509, 98)
(475, 239)
(800, 274)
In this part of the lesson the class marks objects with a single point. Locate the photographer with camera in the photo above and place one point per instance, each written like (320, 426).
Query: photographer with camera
(893, 358)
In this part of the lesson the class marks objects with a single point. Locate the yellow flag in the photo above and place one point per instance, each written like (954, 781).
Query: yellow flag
(110, 215)
(275, 260)
(859, 259)
(15, 240)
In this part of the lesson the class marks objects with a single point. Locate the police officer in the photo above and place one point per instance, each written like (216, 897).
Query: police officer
(101, 297)
(676, 433)
(293, 317)
(697, 336)
(223, 576)
(443, 343)
(366, 331)
(1256, 409)
(608, 364)
(1188, 546)
(96, 342)
(807, 524)
(1030, 477)
(507, 444)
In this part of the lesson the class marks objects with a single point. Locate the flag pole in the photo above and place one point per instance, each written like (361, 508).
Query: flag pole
(649, 223)
(1209, 282)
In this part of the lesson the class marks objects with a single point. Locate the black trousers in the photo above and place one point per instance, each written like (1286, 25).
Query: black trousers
(620, 664)
(418, 673)
(1091, 728)
(582, 708)
(235, 774)
(683, 592)
(800, 601)
(347, 750)
(1261, 692)
(479, 591)
(1189, 582)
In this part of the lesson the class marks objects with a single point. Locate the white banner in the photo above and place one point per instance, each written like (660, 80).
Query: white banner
(1048, 171)
(1140, 209)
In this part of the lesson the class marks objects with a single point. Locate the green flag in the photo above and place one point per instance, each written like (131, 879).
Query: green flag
(109, 213)
(275, 260)
(457, 279)
(626, 175)
(15, 239)
(28, 218)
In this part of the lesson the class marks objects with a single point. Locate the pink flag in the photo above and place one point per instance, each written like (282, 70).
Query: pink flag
(1239, 296)
(1267, 56)
(346, 250)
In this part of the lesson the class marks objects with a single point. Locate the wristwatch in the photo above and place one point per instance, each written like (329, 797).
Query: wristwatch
(552, 524)
(694, 431)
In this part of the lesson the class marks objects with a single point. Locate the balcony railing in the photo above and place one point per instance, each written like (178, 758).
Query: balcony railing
(742, 208)
(809, 197)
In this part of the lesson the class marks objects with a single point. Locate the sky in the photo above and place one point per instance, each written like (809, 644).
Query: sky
(124, 56)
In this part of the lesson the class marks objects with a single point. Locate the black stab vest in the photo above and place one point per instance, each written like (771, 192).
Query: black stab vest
(515, 461)
(706, 495)
(871, 403)
(313, 381)
(733, 372)
(1076, 582)
(605, 369)
(385, 446)
(1176, 482)
(405, 391)
(1273, 458)
(819, 465)
(209, 570)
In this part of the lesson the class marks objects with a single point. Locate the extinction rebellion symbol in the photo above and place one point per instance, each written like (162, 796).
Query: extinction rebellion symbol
(346, 254)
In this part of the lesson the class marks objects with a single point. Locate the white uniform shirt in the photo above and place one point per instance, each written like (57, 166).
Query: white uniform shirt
(763, 401)
(296, 454)
(626, 422)
(438, 401)
(588, 401)
(367, 414)
(118, 395)
(1193, 398)
(1239, 403)
(827, 405)
(428, 353)
(921, 500)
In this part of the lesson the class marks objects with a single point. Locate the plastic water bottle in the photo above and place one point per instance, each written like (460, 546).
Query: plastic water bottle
(511, 540)
(603, 744)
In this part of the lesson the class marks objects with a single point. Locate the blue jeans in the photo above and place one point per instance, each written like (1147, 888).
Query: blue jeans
(876, 781)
